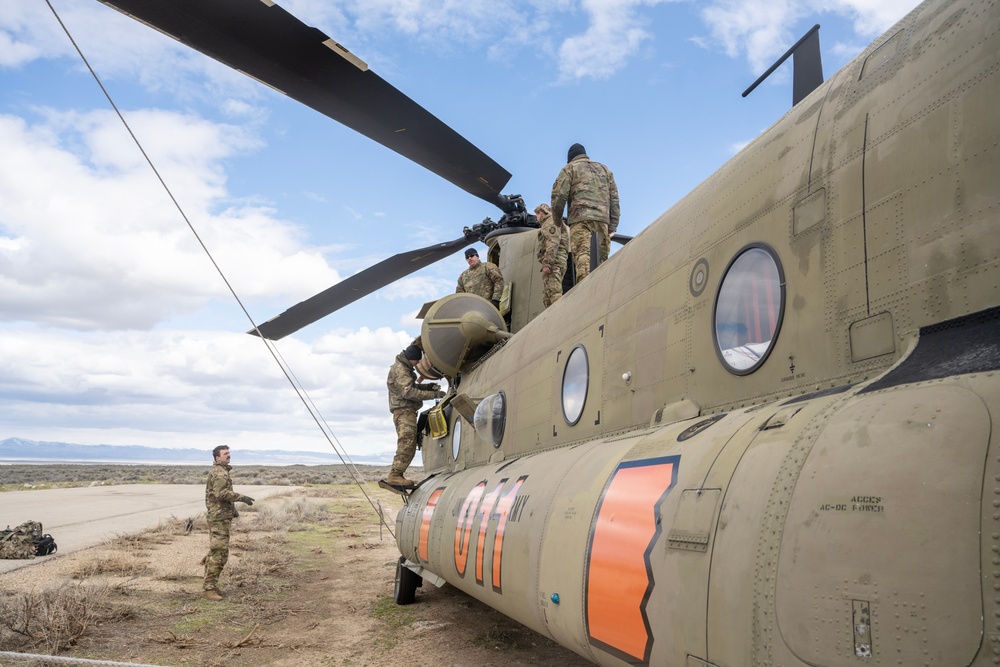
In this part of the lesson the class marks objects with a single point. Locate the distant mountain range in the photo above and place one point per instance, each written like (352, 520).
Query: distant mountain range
(17, 450)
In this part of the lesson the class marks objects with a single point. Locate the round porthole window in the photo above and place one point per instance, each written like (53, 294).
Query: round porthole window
(749, 309)
(490, 418)
(574, 384)
(456, 437)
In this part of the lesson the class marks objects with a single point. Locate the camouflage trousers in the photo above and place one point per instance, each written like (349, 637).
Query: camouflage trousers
(218, 551)
(405, 422)
(604, 241)
(579, 244)
(552, 282)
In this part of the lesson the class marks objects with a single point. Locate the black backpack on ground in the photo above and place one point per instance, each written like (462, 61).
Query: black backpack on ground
(45, 545)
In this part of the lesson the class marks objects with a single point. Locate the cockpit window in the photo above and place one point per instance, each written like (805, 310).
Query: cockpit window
(490, 418)
(749, 309)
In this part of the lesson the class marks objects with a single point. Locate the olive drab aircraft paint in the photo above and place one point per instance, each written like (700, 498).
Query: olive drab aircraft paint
(763, 432)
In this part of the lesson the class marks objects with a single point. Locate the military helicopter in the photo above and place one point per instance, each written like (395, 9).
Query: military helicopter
(762, 432)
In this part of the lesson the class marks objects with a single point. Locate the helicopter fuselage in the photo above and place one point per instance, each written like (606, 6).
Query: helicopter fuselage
(762, 432)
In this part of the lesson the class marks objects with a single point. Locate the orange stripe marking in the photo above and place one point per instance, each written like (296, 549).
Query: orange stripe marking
(619, 579)
(425, 524)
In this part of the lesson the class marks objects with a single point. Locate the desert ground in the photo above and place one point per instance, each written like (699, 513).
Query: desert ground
(309, 583)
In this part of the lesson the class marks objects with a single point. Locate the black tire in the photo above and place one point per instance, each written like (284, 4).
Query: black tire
(406, 585)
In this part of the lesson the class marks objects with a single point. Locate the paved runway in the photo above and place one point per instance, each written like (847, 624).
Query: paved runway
(83, 517)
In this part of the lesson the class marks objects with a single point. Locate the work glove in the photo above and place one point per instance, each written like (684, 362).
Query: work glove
(247, 499)
(438, 394)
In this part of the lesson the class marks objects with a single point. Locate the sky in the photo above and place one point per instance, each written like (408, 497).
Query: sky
(115, 326)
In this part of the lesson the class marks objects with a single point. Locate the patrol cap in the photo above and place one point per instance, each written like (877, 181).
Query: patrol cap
(574, 150)
(471, 252)
(412, 353)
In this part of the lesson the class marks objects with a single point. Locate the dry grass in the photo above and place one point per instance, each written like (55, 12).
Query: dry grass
(116, 565)
(289, 514)
(21, 477)
(54, 619)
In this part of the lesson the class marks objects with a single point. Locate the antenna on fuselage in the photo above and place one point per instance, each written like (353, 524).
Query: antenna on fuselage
(807, 66)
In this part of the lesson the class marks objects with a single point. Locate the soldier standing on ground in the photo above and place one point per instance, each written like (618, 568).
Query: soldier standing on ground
(219, 499)
(481, 278)
(553, 249)
(590, 191)
(405, 398)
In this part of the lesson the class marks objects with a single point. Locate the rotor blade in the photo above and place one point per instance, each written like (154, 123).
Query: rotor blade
(264, 41)
(620, 238)
(353, 288)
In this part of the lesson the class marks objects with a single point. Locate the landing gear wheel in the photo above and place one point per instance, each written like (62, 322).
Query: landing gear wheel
(407, 582)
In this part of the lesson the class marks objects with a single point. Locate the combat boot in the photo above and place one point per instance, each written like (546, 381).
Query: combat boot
(212, 594)
(396, 479)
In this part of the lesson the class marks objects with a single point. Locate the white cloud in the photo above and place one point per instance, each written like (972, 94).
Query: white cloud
(25, 27)
(119, 49)
(424, 287)
(612, 34)
(409, 319)
(89, 232)
(187, 388)
(760, 29)
(738, 146)
(873, 17)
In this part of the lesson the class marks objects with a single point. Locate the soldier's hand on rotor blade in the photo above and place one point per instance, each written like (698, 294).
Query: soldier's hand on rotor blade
(248, 500)
(438, 394)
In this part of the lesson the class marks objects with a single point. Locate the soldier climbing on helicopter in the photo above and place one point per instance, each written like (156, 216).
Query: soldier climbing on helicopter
(406, 397)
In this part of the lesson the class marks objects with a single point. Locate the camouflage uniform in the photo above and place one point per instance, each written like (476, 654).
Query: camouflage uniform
(219, 499)
(484, 279)
(604, 241)
(553, 248)
(590, 190)
(405, 398)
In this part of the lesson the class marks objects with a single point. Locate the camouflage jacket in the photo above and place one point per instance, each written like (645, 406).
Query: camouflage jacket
(219, 494)
(589, 188)
(404, 392)
(484, 279)
(553, 243)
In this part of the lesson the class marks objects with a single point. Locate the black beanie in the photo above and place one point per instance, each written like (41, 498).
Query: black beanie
(412, 353)
(471, 252)
(574, 150)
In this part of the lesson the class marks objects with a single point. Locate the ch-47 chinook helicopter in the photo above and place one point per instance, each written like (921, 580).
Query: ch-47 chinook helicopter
(762, 432)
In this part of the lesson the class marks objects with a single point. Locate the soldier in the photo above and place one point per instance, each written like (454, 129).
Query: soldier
(405, 398)
(219, 499)
(481, 278)
(553, 248)
(590, 191)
